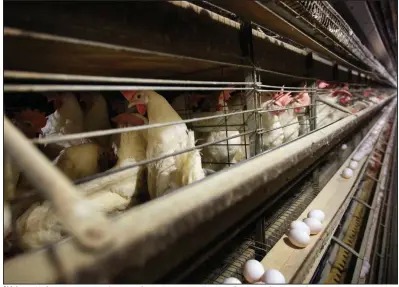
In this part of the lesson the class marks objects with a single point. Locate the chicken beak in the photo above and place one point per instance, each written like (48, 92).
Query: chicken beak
(133, 103)
(141, 107)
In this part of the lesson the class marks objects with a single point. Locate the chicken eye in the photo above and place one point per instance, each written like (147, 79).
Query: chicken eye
(139, 96)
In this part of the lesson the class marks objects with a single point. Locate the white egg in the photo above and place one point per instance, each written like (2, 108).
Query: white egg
(353, 165)
(344, 147)
(318, 214)
(253, 270)
(273, 276)
(300, 225)
(314, 225)
(231, 280)
(299, 237)
(358, 156)
(347, 173)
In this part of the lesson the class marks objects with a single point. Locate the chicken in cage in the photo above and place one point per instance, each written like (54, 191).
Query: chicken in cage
(284, 116)
(223, 153)
(115, 171)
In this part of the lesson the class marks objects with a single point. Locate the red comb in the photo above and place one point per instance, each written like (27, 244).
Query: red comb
(303, 98)
(367, 93)
(226, 94)
(129, 95)
(344, 100)
(341, 92)
(37, 118)
(322, 85)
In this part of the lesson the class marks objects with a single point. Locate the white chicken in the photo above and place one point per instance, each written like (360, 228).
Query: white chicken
(288, 119)
(219, 155)
(326, 114)
(81, 160)
(300, 102)
(176, 171)
(130, 148)
(274, 134)
(83, 157)
(372, 97)
(39, 225)
(96, 116)
(68, 118)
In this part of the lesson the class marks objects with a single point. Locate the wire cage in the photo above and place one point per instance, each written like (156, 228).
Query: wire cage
(226, 132)
(223, 114)
(325, 19)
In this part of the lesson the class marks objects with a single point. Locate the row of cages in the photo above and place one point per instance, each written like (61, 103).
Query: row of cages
(126, 141)
(117, 142)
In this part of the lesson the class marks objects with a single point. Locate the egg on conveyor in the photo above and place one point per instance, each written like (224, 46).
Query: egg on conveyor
(273, 276)
(299, 237)
(318, 214)
(358, 156)
(231, 280)
(353, 165)
(347, 173)
(253, 270)
(344, 147)
(297, 224)
(314, 225)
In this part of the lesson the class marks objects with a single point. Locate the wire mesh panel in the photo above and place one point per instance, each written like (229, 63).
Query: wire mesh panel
(195, 129)
(324, 17)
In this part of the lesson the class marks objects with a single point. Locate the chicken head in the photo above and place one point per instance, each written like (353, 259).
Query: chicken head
(55, 98)
(224, 96)
(282, 100)
(138, 99)
(303, 99)
(31, 122)
(367, 93)
(322, 85)
(344, 96)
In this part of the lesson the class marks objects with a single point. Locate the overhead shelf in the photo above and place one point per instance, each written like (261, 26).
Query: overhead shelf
(261, 14)
(114, 43)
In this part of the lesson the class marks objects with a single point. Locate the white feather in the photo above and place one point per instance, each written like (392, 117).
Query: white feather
(271, 123)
